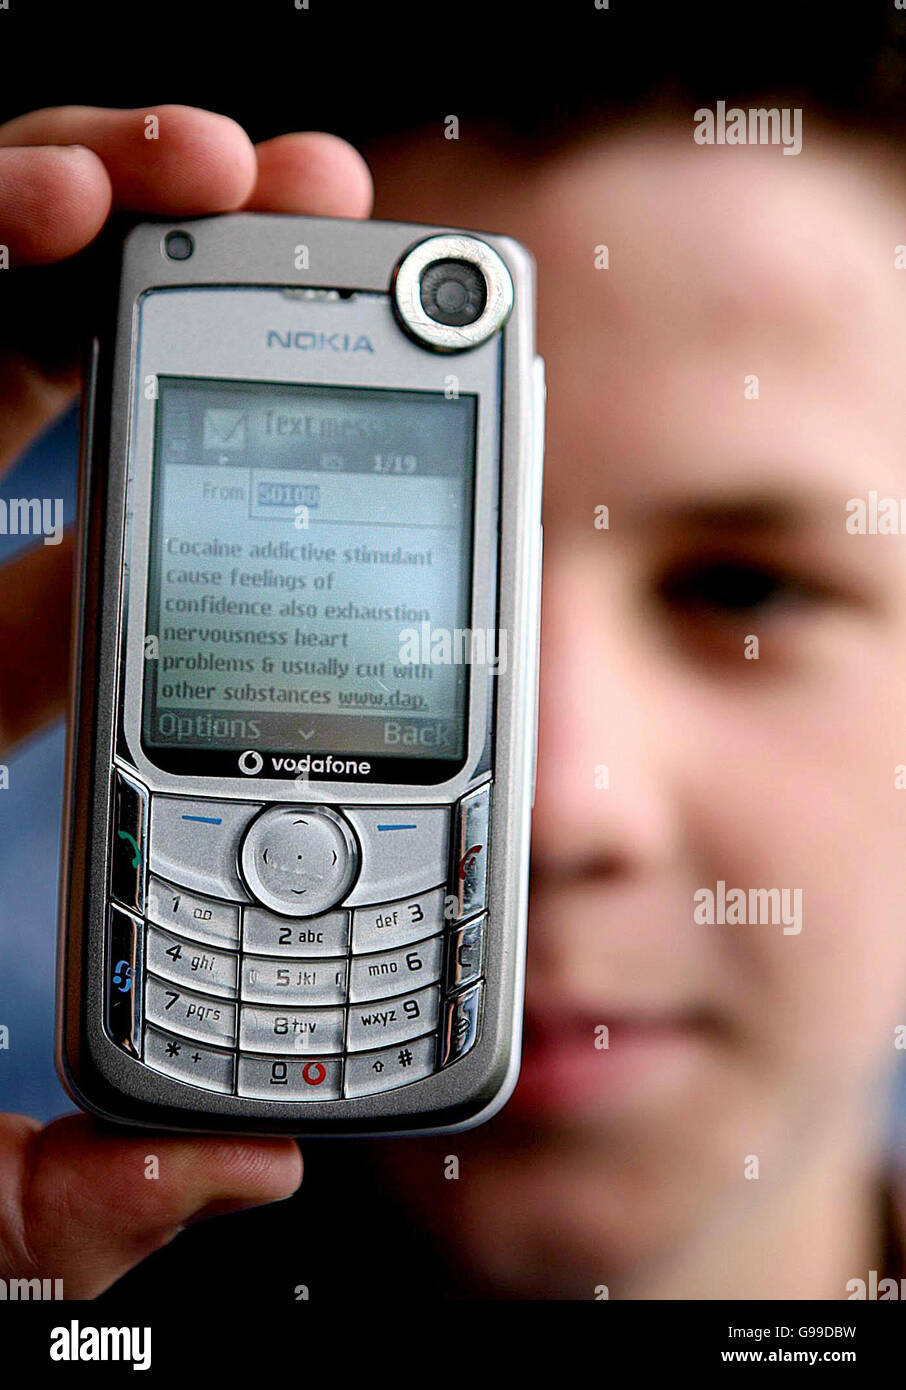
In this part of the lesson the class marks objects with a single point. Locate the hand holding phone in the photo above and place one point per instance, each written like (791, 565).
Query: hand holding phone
(55, 199)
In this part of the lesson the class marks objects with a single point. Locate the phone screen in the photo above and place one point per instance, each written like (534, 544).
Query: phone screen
(310, 567)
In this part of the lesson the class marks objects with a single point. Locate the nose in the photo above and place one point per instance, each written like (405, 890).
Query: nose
(605, 802)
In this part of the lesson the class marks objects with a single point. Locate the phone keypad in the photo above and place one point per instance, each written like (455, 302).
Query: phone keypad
(275, 1078)
(396, 1020)
(217, 980)
(367, 1073)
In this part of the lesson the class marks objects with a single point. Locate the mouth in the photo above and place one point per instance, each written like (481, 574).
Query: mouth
(578, 1064)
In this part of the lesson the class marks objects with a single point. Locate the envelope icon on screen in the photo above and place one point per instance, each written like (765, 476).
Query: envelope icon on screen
(225, 429)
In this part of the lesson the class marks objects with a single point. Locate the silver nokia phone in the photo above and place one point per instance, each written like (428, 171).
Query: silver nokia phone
(301, 759)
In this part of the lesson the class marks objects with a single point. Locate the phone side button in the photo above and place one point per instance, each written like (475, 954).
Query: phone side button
(123, 1005)
(370, 1072)
(465, 954)
(470, 853)
(186, 1059)
(129, 844)
(462, 1022)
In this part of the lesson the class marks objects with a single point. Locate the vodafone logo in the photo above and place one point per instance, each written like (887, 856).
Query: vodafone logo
(314, 1073)
(250, 762)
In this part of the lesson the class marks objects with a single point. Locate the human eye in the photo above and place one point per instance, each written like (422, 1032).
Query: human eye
(729, 588)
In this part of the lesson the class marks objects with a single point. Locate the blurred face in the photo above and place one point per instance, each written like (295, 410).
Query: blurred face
(723, 679)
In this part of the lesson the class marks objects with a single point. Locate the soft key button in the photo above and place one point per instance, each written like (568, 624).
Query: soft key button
(387, 1021)
(404, 850)
(196, 843)
(299, 860)
(204, 919)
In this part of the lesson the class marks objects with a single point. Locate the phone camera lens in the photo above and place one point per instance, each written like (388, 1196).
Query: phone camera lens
(453, 292)
(178, 246)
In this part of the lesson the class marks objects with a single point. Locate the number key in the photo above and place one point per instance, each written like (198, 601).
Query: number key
(393, 972)
(397, 923)
(188, 963)
(190, 914)
(285, 982)
(193, 1015)
(383, 1022)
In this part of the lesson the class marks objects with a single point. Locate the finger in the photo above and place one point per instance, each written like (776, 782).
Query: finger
(83, 1204)
(35, 604)
(311, 172)
(177, 160)
(200, 162)
(53, 201)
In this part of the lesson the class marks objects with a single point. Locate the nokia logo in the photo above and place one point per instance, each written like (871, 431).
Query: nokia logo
(319, 342)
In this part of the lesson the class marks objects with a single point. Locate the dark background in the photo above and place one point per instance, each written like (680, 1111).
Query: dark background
(361, 69)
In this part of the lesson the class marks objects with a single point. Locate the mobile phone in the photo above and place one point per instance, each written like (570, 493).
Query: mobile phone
(301, 758)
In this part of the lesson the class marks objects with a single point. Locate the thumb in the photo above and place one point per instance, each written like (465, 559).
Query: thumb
(81, 1203)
